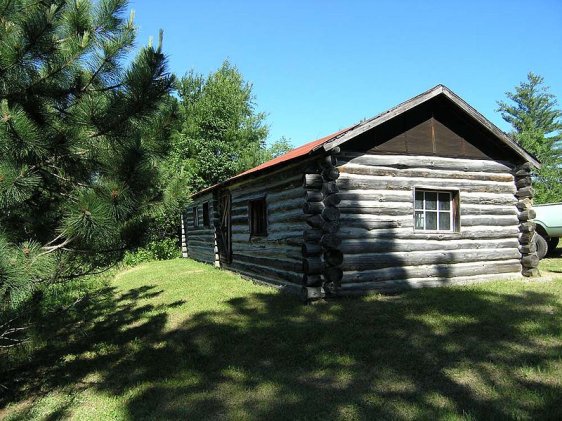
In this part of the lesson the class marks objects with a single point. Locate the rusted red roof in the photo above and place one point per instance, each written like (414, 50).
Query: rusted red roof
(289, 156)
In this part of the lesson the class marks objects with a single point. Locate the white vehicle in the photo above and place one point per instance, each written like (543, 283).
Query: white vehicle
(549, 227)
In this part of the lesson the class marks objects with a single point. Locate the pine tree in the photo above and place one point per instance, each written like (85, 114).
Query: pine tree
(537, 126)
(77, 162)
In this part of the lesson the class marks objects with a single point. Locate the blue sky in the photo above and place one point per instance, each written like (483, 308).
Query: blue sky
(319, 66)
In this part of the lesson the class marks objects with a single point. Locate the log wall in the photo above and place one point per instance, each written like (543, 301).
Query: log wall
(277, 257)
(200, 240)
(382, 251)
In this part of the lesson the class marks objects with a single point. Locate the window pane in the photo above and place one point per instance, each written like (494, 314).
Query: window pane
(431, 220)
(444, 221)
(431, 200)
(444, 201)
(419, 220)
(419, 200)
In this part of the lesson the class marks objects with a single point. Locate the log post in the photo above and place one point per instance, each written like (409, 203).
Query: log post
(527, 247)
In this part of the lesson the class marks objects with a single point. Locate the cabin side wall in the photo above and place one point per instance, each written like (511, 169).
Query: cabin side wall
(277, 257)
(383, 251)
(200, 238)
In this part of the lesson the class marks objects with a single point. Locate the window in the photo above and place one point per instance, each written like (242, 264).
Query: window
(206, 219)
(435, 210)
(258, 217)
(195, 217)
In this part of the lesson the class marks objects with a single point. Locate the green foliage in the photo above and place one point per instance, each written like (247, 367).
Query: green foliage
(81, 133)
(221, 134)
(155, 250)
(537, 125)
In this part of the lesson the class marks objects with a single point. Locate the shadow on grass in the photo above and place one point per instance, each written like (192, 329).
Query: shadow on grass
(422, 354)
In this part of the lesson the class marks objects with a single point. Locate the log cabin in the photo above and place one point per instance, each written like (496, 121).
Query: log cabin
(427, 193)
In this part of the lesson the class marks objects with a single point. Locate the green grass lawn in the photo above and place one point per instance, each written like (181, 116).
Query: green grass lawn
(179, 339)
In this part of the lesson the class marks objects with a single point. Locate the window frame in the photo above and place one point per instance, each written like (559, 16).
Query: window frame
(251, 214)
(453, 211)
(206, 215)
(195, 217)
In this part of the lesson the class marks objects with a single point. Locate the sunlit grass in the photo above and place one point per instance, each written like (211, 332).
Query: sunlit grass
(180, 339)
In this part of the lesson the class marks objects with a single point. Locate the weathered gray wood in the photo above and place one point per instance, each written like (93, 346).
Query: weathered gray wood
(313, 181)
(526, 215)
(332, 200)
(330, 174)
(431, 271)
(525, 192)
(268, 274)
(328, 161)
(330, 187)
(312, 234)
(331, 214)
(349, 181)
(313, 208)
(333, 274)
(528, 248)
(312, 280)
(311, 249)
(369, 260)
(285, 264)
(425, 173)
(312, 265)
(430, 162)
(530, 261)
(491, 220)
(333, 257)
(330, 241)
(413, 283)
(523, 182)
(355, 246)
(528, 226)
(530, 272)
(313, 196)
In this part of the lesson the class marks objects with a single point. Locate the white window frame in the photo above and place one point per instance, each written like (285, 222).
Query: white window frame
(437, 211)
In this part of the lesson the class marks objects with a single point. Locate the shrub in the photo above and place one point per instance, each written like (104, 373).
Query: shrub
(155, 250)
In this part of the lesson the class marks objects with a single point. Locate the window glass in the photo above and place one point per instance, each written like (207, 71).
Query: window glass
(258, 217)
(434, 210)
(206, 218)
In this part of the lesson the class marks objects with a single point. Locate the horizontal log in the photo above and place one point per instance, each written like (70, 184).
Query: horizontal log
(370, 224)
(312, 280)
(312, 234)
(287, 179)
(265, 273)
(332, 200)
(425, 173)
(282, 235)
(330, 174)
(430, 162)
(316, 221)
(311, 249)
(528, 226)
(528, 248)
(329, 187)
(351, 181)
(523, 182)
(492, 220)
(525, 192)
(330, 241)
(526, 237)
(331, 214)
(349, 247)
(527, 214)
(313, 208)
(282, 264)
(530, 261)
(333, 274)
(476, 232)
(313, 181)
(414, 283)
(432, 271)
(312, 265)
(493, 210)
(333, 257)
(530, 272)
(328, 161)
(313, 196)
(524, 204)
(391, 259)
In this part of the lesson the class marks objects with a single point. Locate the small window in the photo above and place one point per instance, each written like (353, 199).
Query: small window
(258, 217)
(195, 217)
(206, 219)
(435, 210)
